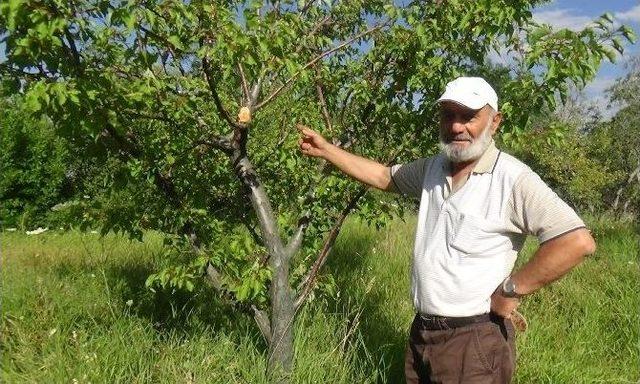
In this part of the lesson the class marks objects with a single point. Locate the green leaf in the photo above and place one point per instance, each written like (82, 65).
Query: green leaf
(150, 280)
(628, 34)
(611, 54)
(175, 41)
(617, 45)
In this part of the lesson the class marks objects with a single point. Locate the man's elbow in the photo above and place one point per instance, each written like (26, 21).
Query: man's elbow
(586, 243)
(385, 181)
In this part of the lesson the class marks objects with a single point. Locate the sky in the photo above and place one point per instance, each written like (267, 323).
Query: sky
(575, 14)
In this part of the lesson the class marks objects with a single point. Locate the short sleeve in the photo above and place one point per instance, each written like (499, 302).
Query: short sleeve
(407, 178)
(536, 210)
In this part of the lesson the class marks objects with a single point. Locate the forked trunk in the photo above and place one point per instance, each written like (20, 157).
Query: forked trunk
(282, 306)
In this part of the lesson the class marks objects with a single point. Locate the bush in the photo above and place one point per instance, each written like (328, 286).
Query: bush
(34, 167)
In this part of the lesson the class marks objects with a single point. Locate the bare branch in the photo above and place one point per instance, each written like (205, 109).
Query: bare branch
(313, 61)
(245, 86)
(255, 92)
(214, 93)
(310, 278)
(74, 52)
(262, 319)
(222, 143)
(306, 6)
(215, 278)
(296, 240)
(320, 24)
(309, 281)
(323, 107)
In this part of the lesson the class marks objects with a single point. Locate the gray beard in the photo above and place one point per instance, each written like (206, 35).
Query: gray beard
(472, 152)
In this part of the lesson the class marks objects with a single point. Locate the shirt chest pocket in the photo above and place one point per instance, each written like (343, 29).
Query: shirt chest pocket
(477, 237)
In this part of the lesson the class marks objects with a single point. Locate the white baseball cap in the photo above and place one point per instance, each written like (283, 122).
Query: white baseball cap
(472, 92)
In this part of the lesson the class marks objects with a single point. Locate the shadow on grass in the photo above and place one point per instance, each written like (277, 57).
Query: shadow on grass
(349, 265)
(170, 312)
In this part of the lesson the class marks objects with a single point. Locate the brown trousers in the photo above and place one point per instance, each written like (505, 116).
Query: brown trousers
(478, 353)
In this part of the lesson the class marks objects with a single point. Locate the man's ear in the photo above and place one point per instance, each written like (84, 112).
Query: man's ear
(495, 123)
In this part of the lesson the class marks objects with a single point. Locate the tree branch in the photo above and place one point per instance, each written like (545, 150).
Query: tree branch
(255, 92)
(222, 143)
(296, 240)
(306, 6)
(130, 146)
(312, 62)
(245, 87)
(214, 93)
(310, 278)
(323, 107)
(309, 281)
(74, 52)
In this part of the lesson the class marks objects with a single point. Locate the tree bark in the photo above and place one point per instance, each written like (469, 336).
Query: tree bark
(280, 359)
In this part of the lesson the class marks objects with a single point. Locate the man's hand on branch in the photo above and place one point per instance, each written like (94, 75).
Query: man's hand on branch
(312, 143)
(364, 170)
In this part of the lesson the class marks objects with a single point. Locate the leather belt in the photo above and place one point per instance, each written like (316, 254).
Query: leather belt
(433, 322)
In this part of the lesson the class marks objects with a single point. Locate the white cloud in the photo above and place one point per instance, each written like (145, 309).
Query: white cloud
(595, 95)
(632, 15)
(562, 18)
(599, 85)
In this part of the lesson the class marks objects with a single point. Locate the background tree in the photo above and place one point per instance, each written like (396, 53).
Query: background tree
(617, 141)
(156, 85)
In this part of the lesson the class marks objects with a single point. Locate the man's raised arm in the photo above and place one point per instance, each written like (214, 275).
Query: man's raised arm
(364, 170)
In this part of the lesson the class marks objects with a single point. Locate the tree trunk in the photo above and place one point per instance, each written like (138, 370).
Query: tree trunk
(282, 313)
(282, 307)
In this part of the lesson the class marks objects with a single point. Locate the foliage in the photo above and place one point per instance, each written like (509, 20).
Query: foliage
(561, 155)
(33, 163)
(617, 142)
(593, 163)
(155, 86)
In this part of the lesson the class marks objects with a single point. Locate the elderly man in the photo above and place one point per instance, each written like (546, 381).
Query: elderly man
(477, 205)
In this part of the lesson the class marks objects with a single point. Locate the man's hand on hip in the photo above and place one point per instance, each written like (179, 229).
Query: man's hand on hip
(503, 306)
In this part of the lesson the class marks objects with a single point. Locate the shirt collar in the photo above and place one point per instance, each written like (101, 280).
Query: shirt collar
(488, 159)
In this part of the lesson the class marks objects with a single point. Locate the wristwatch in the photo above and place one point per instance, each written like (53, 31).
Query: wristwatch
(509, 289)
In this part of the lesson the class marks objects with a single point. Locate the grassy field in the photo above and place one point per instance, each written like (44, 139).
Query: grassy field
(75, 310)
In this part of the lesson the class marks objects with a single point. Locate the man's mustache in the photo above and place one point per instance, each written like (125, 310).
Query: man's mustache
(460, 137)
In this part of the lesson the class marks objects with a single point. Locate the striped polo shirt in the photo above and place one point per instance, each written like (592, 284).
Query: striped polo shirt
(467, 239)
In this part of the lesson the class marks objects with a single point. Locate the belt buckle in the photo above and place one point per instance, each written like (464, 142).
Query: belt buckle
(435, 322)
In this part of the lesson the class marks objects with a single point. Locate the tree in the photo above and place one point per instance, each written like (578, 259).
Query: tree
(158, 85)
(32, 164)
(617, 143)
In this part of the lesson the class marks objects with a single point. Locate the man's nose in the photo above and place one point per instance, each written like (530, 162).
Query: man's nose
(457, 127)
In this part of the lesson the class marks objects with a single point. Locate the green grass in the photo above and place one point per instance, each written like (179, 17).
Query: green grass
(74, 307)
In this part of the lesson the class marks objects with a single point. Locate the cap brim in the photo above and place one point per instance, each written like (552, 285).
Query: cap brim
(471, 104)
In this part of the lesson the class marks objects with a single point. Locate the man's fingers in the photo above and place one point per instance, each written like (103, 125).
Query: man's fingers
(305, 130)
(519, 321)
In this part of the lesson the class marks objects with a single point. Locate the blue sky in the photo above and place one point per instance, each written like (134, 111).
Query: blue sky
(575, 14)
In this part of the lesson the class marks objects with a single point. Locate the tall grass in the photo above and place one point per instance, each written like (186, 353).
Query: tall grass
(74, 309)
